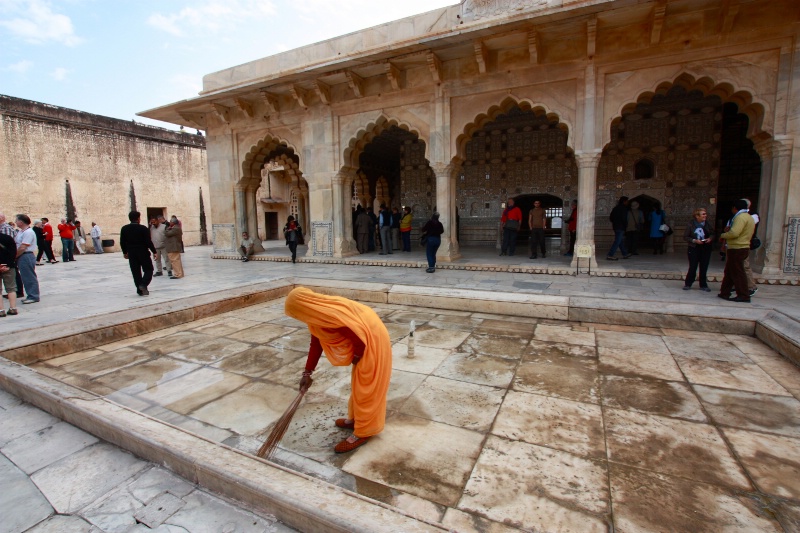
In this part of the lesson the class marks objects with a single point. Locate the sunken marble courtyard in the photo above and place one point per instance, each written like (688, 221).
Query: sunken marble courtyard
(497, 423)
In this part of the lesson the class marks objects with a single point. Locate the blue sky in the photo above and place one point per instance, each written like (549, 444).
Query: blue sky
(118, 57)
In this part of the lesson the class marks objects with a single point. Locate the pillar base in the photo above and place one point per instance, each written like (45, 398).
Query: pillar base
(584, 262)
(448, 253)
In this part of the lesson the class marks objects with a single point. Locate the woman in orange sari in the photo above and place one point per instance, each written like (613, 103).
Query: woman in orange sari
(348, 332)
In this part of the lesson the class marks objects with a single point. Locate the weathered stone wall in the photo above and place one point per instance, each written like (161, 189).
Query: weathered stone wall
(43, 146)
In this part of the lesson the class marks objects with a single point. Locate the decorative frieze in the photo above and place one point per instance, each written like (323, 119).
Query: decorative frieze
(321, 239)
(791, 262)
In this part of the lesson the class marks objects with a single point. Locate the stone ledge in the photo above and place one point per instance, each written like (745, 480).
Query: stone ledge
(302, 502)
(781, 333)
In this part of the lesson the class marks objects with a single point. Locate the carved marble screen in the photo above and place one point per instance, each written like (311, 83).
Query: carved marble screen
(417, 182)
(518, 153)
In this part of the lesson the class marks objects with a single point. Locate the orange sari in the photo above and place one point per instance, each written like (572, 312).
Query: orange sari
(325, 315)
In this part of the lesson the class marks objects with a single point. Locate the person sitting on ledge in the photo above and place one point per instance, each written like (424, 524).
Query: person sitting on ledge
(348, 332)
(246, 249)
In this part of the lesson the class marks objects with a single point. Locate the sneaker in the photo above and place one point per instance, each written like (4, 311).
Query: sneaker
(30, 301)
(705, 289)
(143, 291)
(753, 291)
(609, 258)
(2, 313)
(169, 272)
(723, 297)
(158, 274)
(626, 256)
(687, 287)
(13, 311)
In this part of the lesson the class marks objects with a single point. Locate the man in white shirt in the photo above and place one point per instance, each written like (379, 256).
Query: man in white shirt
(158, 229)
(246, 249)
(26, 258)
(95, 234)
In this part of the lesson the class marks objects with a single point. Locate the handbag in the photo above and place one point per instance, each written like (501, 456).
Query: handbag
(423, 239)
(666, 229)
(300, 238)
(755, 243)
(513, 225)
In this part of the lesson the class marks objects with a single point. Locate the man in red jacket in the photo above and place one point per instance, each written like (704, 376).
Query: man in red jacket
(65, 232)
(511, 221)
(47, 231)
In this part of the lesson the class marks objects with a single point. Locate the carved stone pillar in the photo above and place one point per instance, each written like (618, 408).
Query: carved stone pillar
(587, 195)
(446, 206)
(240, 193)
(776, 162)
(343, 244)
(252, 217)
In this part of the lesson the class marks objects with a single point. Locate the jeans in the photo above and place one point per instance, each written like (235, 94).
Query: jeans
(619, 238)
(699, 255)
(66, 250)
(406, 235)
(293, 249)
(395, 238)
(26, 264)
(98, 248)
(386, 239)
(632, 240)
(509, 245)
(434, 241)
(47, 248)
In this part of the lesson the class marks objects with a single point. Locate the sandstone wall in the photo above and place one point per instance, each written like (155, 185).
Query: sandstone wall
(43, 146)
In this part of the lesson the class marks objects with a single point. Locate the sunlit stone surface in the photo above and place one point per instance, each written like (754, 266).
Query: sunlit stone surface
(497, 423)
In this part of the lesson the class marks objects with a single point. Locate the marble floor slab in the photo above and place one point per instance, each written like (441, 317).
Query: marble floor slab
(495, 424)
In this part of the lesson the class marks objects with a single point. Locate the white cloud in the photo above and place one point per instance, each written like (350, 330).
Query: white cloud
(59, 74)
(21, 67)
(187, 83)
(35, 22)
(211, 16)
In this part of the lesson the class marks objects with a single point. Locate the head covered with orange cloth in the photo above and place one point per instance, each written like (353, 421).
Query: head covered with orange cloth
(349, 333)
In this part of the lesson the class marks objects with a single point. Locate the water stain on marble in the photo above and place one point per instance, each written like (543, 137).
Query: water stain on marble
(479, 369)
(174, 342)
(210, 351)
(299, 341)
(746, 410)
(440, 338)
(108, 362)
(571, 378)
(772, 460)
(682, 505)
(725, 374)
(541, 351)
(140, 377)
(262, 333)
(500, 346)
(259, 360)
(715, 349)
(405, 317)
(545, 332)
(655, 396)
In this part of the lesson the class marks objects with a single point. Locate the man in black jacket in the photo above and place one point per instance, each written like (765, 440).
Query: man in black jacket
(134, 239)
(619, 221)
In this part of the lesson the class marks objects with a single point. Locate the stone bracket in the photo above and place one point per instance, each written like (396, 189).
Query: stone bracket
(591, 37)
(435, 66)
(323, 90)
(245, 106)
(481, 56)
(534, 45)
(270, 100)
(356, 83)
(658, 22)
(299, 94)
(222, 112)
(198, 120)
(394, 75)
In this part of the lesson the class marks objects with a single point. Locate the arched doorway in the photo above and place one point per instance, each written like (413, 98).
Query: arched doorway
(683, 147)
(515, 151)
(554, 209)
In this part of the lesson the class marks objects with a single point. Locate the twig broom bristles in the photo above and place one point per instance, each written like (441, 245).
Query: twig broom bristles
(271, 444)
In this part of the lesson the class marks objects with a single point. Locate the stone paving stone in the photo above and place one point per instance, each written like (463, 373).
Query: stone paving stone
(259, 360)
(496, 345)
(440, 338)
(542, 352)
(631, 342)
(140, 377)
(73, 357)
(34, 451)
(724, 374)
(671, 446)
(644, 364)
(105, 363)
(456, 403)
(772, 460)
(425, 360)
(21, 504)
(8, 401)
(428, 459)
(572, 378)
(683, 505)
(189, 424)
(21, 420)
(188, 392)
(210, 351)
(715, 349)
(173, 343)
(461, 323)
(666, 398)
(226, 326)
(478, 368)
(248, 410)
(204, 512)
(754, 411)
(537, 488)
(261, 334)
(463, 522)
(113, 513)
(79, 479)
(573, 427)
(565, 335)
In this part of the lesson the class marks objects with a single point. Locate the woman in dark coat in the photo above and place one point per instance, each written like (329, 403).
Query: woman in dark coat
(37, 229)
(432, 230)
(294, 234)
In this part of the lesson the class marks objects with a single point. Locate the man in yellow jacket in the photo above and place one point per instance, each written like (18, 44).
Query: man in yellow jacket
(738, 239)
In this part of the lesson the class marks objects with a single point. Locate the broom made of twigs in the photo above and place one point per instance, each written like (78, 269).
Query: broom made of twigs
(271, 444)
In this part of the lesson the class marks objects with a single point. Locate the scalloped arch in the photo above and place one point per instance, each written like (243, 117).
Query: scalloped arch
(725, 90)
(257, 156)
(505, 106)
(365, 135)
